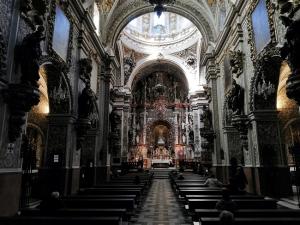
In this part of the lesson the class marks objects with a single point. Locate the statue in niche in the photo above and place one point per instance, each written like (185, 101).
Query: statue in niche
(86, 102)
(236, 62)
(206, 117)
(87, 99)
(29, 54)
(236, 99)
(129, 64)
(86, 67)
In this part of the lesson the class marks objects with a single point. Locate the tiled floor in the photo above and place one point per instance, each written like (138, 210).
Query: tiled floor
(161, 206)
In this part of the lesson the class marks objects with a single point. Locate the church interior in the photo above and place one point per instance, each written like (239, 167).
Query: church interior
(149, 112)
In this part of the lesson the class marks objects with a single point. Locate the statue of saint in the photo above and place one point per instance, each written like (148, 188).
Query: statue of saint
(29, 55)
(236, 99)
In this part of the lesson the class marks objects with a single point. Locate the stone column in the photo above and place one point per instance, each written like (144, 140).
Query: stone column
(103, 159)
(211, 77)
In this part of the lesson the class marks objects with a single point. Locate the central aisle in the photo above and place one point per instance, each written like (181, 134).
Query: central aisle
(161, 206)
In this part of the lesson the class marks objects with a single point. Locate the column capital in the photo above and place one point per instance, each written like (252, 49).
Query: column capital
(212, 70)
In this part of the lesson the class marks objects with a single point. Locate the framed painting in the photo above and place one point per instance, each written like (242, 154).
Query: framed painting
(260, 26)
(61, 34)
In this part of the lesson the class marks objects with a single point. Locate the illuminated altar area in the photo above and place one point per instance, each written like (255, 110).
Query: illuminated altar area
(161, 125)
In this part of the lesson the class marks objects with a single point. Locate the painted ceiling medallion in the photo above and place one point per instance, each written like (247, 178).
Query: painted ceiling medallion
(160, 5)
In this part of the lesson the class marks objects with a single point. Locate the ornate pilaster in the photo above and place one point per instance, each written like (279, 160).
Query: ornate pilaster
(211, 76)
(104, 154)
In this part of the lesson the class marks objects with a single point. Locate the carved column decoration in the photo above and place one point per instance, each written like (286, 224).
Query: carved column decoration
(236, 62)
(2, 55)
(291, 49)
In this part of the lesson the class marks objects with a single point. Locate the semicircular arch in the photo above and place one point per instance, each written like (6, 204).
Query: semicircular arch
(198, 13)
(168, 59)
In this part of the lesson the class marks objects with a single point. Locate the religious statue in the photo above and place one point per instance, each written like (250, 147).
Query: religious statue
(29, 53)
(87, 99)
(236, 99)
(206, 117)
(85, 69)
(128, 65)
(86, 102)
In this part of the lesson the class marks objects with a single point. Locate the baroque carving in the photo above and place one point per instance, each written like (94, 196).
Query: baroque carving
(128, 65)
(29, 54)
(51, 20)
(235, 98)
(265, 80)
(291, 48)
(207, 131)
(33, 12)
(87, 106)
(236, 62)
(271, 12)
(20, 99)
(2, 55)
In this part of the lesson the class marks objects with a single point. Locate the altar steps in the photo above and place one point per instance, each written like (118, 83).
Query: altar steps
(161, 173)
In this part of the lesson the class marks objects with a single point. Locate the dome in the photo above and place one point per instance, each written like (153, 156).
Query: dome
(165, 33)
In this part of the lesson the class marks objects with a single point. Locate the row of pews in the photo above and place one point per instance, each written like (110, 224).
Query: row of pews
(200, 202)
(112, 203)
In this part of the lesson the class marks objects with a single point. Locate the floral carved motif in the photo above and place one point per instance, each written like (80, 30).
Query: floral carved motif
(236, 62)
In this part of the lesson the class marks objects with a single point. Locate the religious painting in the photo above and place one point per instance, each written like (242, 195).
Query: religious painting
(261, 27)
(61, 34)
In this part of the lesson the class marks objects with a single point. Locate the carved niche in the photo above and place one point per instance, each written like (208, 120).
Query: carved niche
(265, 80)
(236, 62)
(207, 131)
(235, 99)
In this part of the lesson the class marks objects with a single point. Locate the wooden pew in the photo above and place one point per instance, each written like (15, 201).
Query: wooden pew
(248, 213)
(43, 220)
(220, 197)
(67, 212)
(241, 203)
(101, 197)
(183, 192)
(111, 191)
(128, 204)
(254, 221)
